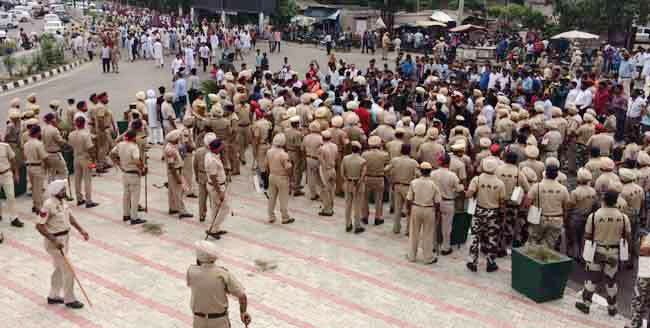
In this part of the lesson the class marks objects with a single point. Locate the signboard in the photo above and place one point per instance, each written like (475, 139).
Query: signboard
(236, 6)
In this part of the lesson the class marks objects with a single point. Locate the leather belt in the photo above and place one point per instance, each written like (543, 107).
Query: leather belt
(220, 184)
(419, 205)
(62, 233)
(448, 199)
(313, 157)
(607, 246)
(54, 152)
(352, 179)
(132, 172)
(403, 184)
(374, 176)
(293, 149)
(33, 164)
(244, 125)
(5, 171)
(211, 315)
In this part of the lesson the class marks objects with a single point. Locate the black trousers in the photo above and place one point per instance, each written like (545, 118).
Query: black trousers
(106, 65)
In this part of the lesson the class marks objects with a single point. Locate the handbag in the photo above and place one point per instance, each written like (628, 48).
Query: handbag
(471, 203)
(517, 193)
(535, 213)
(589, 251)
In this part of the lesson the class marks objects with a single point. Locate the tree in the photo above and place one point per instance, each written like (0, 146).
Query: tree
(286, 10)
(517, 14)
(476, 5)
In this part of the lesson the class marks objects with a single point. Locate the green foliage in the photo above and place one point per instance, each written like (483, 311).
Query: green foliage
(517, 14)
(600, 16)
(10, 63)
(286, 10)
(476, 5)
(209, 86)
(541, 253)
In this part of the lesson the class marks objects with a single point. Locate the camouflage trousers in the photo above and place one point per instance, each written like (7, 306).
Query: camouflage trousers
(605, 262)
(640, 302)
(508, 227)
(547, 232)
(581, 155)
(485, 229)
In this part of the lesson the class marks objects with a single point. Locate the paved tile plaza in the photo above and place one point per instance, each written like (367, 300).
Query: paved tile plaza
(324, 278)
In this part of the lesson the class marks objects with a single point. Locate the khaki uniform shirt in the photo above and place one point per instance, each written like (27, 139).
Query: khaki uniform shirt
(482, 131)
(261, 130)
(643, 178)
(402, 170)
(512, 177)
(415, 143)
(609, 224)
(129, 155)
(311, 144)
(447, 182)
(376, 160)
(355, 133)
(339, 137)
(552, 141)
(593, 165)
(634, 196)
(584, 133)
(429, 151)
(214, 167)
(278, 162)
(603, 141)
(55, 215)
(550, 196)
(535, 165)
(210, 286)
(488, 190)
(423, 191)
(327, 154)
(603, 181)
(34, 151)
(173, 156)
(81, 143)
(6, 155)
(293, 139)
(352, 166)
(457, 166)
(582, 199)
(385, 132)
(394, 148)
(52, 139)
(244, 114)
(504, 129)
(199, 164)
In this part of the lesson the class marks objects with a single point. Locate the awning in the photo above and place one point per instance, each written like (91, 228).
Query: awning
(441, 16)
(576, 35)
(303, 20)
(322, 13)
(467, 28)
(429, 24)
(380, 23)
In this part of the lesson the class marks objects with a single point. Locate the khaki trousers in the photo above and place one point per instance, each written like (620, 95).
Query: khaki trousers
(297, 167)
(421, 231)
(399, 195)
(447, 209)
(7, 184)
(56, 168)
(340, 181)
(232, 153)
(36, 178)
(353, 195)
(245, 135)
(260, 156)
(188, 172)
(82, 173)
(103, 145)
(313, 177)
(62, 276)
(222, 322)
(203, 196)
(278, 187)
(174, 193)
(328, 177)
(374, 186)
(218, 209)
(131, 195)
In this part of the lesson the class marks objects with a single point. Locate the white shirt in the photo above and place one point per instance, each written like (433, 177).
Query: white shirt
(636, 107)
(584, 98)
(572, 96)
(204, 52)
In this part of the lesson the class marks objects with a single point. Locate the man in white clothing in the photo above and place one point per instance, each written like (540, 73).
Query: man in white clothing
(158, 54)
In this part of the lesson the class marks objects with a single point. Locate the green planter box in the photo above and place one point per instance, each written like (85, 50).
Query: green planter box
(537, 280)
(21, 187)
(122, 126)
(460, 228)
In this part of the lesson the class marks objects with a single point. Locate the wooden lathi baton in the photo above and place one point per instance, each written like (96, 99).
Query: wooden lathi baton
(74, 275)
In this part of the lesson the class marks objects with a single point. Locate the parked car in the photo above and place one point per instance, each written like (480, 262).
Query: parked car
(64, 17)
(7, 20)
(642, 34)
(51, 18)
(53, 26)
(21, 15)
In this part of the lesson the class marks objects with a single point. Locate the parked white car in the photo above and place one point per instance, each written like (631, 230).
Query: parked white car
(642, 34)
(21, 15)
(8, 20)
(53, 26)
(51, 18)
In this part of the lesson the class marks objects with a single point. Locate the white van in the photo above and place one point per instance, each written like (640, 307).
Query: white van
(7, 20)
(642, 34)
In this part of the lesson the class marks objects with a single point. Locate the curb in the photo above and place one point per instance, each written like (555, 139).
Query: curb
(44, 75)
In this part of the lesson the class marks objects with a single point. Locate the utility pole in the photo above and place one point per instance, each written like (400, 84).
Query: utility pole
(461, 6)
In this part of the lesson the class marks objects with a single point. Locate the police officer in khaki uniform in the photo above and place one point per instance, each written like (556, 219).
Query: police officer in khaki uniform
(513, 178)
(83, 148)
(53, 141)
(186, 148)
(126, 155)
(32, 105)
(293, 146)
(175, 178)
(607, 175)
(353, 170)
(532, 152)
(376, 161)
(216, 188)
(232, 140)
(262, 130)
(210, 285)
(310, 145)
(102, 118)
(448, 185)
(605, 228)
(490, 194)
(200, 174)
(340, 138)
(553, 200)
(222, 129)
(418, 139)
(279, 168)
(401, 170)
(327, 155)
(634, 196)
(35, 156)
(394, 147)
(582, 202)
(423, 207)
(430, 150)
(12, 135)
(54, 224)
(9, 175)
(244, 125)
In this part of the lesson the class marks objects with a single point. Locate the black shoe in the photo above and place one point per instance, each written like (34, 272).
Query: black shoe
(290, 221)
(126, 218)
(141, 208)
(313, 198)
(472, 267)
(75, 305)
(348, 228)
(243, 162)
(137, 221)
(392, 210)
(16, 223)
(222, 232)
(213, 235)
(55, 300)
(185, 215)
(502, 253)
(321, 213)
(364, 220)
(201, 219)
(192, 196)
(69, 198)
(446, 252)
(434, 261)
(584, 308)
(298, 193)
(359, 230)
(35, 210)
(491, 267)
(171, 212)
(91, 205)
(612, 312)
(379, 222)
(80, 202)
